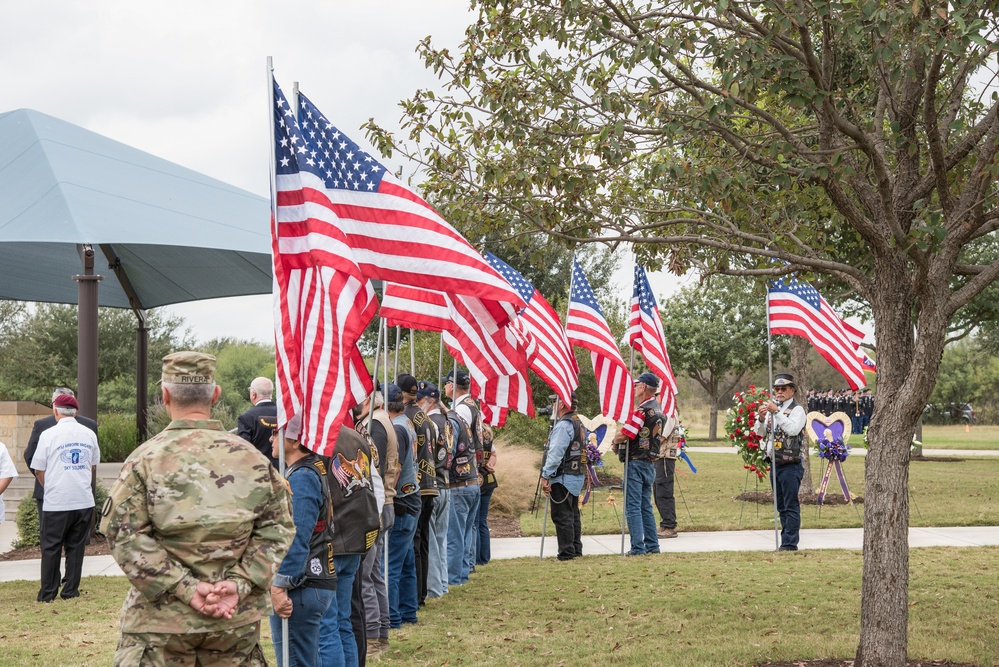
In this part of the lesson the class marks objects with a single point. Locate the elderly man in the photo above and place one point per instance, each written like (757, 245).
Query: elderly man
(39, 427)
(428, 396)
(781, 423)
(256, 425)
(563, 474)
(199, 522)
(643, 434)
(463, 476)
(64, 465)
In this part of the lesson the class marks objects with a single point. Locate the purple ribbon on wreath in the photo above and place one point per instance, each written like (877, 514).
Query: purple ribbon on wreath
(593, 459)
(834, 452)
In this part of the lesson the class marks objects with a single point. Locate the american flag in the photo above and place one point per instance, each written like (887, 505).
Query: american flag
(857, 337)
(394, 234)
(794, 307)
(645, 334)
(587, 328)
(322, 303)
(494, 353)
(553, 361)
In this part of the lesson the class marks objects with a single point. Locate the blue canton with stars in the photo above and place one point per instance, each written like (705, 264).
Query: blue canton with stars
(798, 288)
(332, 156)
(512, 276)
(286, 134)
(581, 291)
(643, 291)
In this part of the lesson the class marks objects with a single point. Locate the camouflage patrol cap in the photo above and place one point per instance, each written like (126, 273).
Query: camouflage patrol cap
(188, 367)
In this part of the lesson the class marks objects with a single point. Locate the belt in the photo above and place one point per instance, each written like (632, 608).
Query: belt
(458, 485)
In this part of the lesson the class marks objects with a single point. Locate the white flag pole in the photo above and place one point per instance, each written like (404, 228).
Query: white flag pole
(412, 352)
(770, 427)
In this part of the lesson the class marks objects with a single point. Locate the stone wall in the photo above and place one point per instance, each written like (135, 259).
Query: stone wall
(16, 420)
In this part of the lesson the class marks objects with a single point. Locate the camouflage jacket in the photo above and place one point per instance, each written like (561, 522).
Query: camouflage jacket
(191, 504)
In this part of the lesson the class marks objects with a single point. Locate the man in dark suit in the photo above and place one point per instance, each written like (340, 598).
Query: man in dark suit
(40, 425)
(257, 424)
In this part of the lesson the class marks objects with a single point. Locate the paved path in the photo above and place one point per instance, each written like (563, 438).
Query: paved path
(530, 547)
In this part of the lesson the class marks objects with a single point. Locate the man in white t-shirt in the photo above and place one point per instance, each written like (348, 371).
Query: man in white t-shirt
(7, 474)
(65, 463)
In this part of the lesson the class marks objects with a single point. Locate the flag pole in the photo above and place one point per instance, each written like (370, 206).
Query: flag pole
(374, 373)
(385, 551)
(412, 352)
(624, 475)
(770, 429)
(398, 337)
(440, 359)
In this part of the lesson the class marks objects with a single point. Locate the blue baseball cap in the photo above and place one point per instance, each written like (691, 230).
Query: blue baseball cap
(393, 393)
(426, 389)
(649, 379)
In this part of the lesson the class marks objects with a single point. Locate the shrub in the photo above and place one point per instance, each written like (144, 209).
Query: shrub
(27, 519)
(117, 436)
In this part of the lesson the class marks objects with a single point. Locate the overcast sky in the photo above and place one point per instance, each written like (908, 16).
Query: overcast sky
(186, 81)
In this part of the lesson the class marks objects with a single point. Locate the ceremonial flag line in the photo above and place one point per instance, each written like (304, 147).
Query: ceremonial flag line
(645, 334)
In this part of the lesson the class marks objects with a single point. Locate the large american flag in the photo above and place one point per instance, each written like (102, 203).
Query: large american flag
(794, 307)
(587, 328)
(494, 353)
(553, 359)
(394, 234)
(645, 334)
(322, 303)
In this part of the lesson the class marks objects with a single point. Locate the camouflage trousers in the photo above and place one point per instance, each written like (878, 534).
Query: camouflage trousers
(238, 646)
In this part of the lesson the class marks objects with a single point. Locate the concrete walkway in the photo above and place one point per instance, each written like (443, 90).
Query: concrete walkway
(530, 547)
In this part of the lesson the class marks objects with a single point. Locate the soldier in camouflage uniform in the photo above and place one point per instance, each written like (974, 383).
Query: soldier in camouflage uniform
(198, 521)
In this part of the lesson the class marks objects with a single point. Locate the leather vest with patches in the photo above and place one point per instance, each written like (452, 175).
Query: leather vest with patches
(464, 467)
(646, 445)
(319, 567)
(355, 509)
(444, 447)
(787, 448)
(474, 428)
(426, 476)
(574, 459)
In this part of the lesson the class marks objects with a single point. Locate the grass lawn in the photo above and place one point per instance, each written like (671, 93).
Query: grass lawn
(964, 493)
(955, 437)
(695, 610)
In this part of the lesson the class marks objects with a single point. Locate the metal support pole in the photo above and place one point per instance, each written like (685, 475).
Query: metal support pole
(398, 341)
(86, 337)
(141, 378)
(412, 352)
(770, 429)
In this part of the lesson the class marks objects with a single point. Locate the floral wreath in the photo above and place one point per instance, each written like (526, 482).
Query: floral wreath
(834, 450)
(739, 422)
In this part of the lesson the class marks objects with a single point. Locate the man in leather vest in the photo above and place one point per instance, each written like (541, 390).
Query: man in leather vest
(563, 474)
(426, 477)
(463, 478)
(662, 487)
(643, 434)
(428, 396)
(781, 423)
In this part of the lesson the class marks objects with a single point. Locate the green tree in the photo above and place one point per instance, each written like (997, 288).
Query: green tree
(39, 353)
(717, 334)
(574, 117)
(238, 363)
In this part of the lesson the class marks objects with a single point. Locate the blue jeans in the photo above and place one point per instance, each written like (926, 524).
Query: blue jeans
(337, 647)
(483, 555)
(788, 481)
(402, 571)
(638, 508)
(439, 520)
(464, 512)
(308, 607)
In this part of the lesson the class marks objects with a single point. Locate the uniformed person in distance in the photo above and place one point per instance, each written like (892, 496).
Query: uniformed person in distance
(198, 521)
(781, 424)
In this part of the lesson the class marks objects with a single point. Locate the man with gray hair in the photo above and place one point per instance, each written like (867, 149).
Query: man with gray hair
(64, 465)
(257, 424)
(37, 429)
(199, 522)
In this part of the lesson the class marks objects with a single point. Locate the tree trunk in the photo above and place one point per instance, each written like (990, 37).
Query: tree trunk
(713, 419)
(906, 370)
(798, 367)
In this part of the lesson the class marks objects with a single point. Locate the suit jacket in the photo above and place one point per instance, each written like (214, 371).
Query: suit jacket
(251, 427)
(44, 424)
